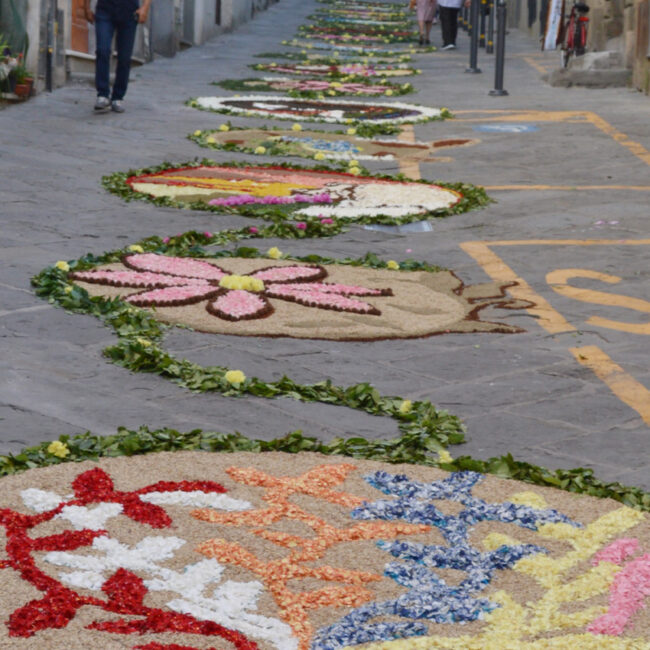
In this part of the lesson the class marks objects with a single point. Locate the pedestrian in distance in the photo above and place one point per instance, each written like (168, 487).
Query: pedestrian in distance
(448, 11)
(118, 18)
(426, 11)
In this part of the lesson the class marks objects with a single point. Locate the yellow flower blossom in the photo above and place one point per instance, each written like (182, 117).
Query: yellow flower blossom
(235, 377)
(211, 139)
(135, 248)
(444, 456)
(392, 265)
(68, 289)
(224, 127)
(260, 150)
(351, 131)
(296, 127)
(388, 93)
(58, 449)
(353, 163)
(197, 132)
(405, 407)
(274, 253)
(62, 266)
(145, 343)
(319, 156)
(243, 282)
(354, 170)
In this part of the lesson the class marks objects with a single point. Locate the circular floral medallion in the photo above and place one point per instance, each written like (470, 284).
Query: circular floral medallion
(314, 88)
(307, 192)
(320, 110)
(254, 297)
(273, 551)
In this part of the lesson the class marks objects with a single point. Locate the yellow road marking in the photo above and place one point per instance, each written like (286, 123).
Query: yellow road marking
(567, 188)
(513, 115)
(540, 68)
(625, 387)
(410, 168)
(550, 319)
(558, 280)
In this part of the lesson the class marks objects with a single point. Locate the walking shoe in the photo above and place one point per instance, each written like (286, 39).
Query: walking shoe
(117, 106)
(451, 46)
(102, 103)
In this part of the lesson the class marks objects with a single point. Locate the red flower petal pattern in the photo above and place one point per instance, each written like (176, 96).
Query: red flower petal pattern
(185, 267)
(237, 304)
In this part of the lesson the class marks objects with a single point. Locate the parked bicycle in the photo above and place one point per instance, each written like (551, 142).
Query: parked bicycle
(574, 32)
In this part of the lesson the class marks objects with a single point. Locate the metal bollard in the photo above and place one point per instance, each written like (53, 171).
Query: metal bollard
(501, 50)
(481, 40)
(489, 46)
(474, 27)
(464, 18)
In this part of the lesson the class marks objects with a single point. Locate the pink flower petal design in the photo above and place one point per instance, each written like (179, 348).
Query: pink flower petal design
(132, 279)
(173, 296)
(185, 267)
(344, 289)
(237, 304)
(617, 551)
(293, 273)
(314, 298)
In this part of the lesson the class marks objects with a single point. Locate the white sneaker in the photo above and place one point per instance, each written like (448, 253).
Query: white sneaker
(117, 106)
(102, 103)
(451, 46)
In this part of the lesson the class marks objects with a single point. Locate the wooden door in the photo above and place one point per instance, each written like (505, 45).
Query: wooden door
(79, 27)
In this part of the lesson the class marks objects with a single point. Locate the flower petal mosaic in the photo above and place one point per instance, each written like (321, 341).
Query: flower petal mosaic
(335, 111)
(255, 297)
(316, 193)
(194, 550)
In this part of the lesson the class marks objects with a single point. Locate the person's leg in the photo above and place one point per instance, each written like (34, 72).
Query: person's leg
(124, 40)
(445, 19)
(427, 32)
(453, 25)
(104, 29)
(421, 30)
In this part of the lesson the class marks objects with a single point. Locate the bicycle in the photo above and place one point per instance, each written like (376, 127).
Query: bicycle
(574, 32)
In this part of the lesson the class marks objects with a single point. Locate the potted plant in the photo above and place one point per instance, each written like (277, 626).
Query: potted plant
(24, 79)
(8, 65)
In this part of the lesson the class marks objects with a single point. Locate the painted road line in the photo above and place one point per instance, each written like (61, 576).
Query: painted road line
(603, 125)
(410, 168)
(625, 387)
(539, 67)
(567, 188)
(550, 319)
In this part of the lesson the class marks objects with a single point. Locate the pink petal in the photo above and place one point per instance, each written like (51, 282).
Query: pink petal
(185, 267)
(173, 296)
(292, 273)
(237, 304)
(344, 289)
(131, 278)
(313, 298)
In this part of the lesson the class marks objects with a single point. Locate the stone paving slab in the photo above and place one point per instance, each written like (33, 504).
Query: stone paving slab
(524, 393)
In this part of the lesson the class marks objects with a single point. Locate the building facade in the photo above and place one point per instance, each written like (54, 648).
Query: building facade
(58, 42)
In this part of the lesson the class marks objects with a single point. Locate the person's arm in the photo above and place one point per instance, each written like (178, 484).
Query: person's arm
(143, 11)
(90, 16)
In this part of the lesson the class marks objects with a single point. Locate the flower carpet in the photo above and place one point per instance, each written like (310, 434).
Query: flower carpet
(317, 88)
(250, 297)
(342, 70)
(332, 146)
(276, 191)
(196, 550)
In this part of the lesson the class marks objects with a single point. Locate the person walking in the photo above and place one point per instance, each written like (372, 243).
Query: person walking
(119, 18)
(448, 12)
(426, 11)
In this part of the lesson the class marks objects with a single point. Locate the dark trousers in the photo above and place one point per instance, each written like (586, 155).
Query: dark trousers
(448, 24)
(106, 25)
